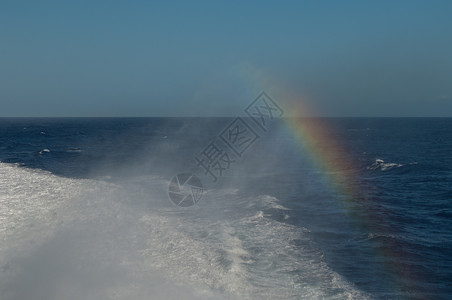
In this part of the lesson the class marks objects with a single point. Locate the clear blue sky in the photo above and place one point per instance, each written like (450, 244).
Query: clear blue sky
(210, 58)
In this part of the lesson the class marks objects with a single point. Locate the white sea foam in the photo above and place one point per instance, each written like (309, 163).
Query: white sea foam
(87, 239)
(380, 164)
(44, 151)
(75, 239)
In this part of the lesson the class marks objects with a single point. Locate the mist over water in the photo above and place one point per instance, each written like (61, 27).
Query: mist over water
(91, 219)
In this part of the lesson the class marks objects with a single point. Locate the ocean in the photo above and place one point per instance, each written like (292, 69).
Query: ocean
(222, 208)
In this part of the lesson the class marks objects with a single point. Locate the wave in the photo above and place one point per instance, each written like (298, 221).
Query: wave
(82, 238)
(44, 151)
(380, 164)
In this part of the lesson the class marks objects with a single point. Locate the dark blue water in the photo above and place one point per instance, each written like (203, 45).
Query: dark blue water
(391, 238)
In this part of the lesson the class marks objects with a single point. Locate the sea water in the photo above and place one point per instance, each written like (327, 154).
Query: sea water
(85, 211)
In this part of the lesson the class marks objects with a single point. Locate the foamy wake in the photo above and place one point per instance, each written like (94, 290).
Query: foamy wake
(85, 239)
(76, 239)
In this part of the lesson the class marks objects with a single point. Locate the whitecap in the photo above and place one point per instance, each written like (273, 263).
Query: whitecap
(44, 151)
(380, 164)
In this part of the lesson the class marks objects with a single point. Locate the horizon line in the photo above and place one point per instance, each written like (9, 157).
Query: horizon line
(167, 117)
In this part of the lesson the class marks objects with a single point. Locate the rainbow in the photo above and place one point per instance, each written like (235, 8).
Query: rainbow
(333, 160)
(338, 169)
